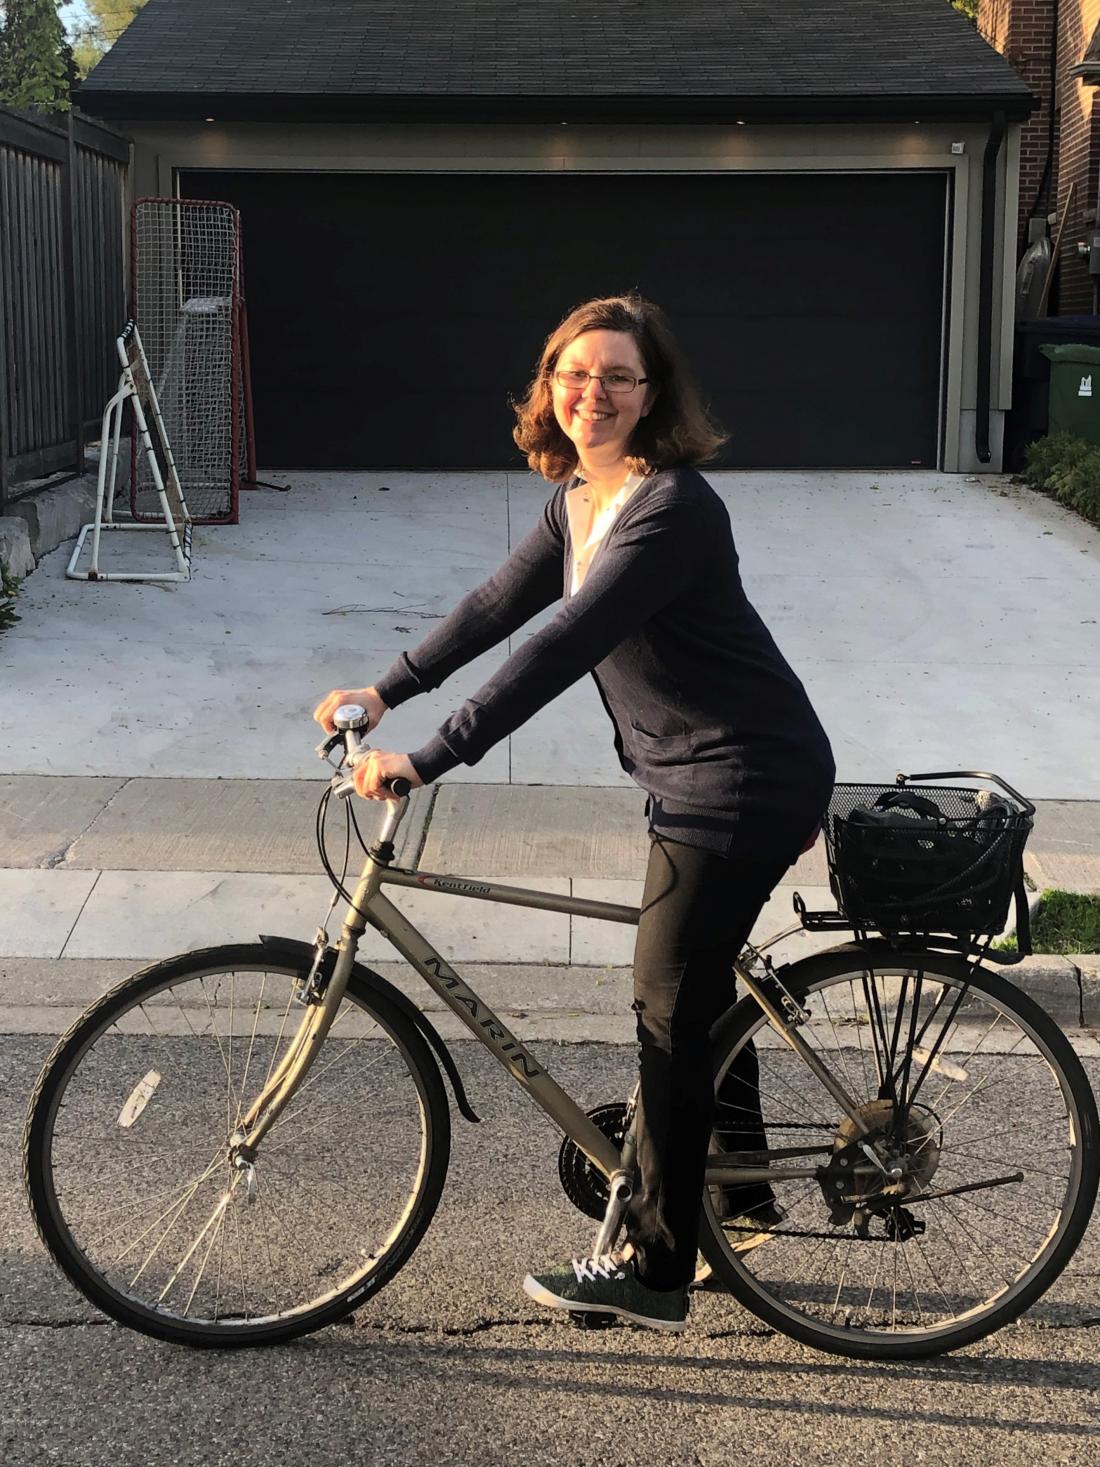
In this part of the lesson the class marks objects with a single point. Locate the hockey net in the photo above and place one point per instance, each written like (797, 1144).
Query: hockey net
(187, 298)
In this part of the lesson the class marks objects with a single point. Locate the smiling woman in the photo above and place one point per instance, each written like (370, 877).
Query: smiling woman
(708, 719)
(629, 337)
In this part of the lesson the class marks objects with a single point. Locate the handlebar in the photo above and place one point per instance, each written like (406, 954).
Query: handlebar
(903, 779)
(350, 720)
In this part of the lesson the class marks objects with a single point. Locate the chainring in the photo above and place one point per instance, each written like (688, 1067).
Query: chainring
(584, 1184)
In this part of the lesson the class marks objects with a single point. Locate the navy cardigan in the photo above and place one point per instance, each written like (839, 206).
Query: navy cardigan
(709, 718)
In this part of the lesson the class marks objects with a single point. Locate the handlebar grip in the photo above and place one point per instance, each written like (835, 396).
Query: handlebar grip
(399, 784)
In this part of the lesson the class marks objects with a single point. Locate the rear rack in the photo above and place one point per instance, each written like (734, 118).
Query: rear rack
(934, 941)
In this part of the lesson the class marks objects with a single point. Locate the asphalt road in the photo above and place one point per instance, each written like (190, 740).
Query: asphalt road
(451, 1362)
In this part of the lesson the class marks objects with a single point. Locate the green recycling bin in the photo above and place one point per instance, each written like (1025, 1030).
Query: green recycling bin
(1074, 389)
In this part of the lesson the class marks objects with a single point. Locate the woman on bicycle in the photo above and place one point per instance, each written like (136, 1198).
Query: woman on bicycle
(708, 719)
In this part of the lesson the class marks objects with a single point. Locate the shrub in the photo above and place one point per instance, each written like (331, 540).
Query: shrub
(1068, 468)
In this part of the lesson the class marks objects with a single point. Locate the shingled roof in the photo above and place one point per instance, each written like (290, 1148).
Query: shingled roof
(655, 59)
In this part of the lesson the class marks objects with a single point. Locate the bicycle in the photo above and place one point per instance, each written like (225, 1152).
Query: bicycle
(193, 1162)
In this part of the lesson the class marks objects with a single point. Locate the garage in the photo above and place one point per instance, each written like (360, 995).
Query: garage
(824, 197)
(393, 315)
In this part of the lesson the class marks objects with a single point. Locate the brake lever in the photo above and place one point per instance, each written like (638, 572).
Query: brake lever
(324, 749)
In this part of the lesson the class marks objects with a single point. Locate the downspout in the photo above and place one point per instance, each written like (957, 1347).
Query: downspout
(985, 285)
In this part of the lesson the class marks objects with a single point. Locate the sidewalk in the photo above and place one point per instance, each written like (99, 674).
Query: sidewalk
(104, 874)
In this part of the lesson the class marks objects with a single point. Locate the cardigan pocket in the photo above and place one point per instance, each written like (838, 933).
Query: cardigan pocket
(661, 749)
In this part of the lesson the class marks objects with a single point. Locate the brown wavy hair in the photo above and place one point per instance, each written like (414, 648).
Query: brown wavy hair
(677, 430)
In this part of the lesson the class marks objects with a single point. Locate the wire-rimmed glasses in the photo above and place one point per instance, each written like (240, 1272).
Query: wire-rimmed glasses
(618, 382)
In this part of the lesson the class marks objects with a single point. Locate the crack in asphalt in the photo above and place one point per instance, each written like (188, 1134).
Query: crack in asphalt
(33, 1323)
(478, 1328)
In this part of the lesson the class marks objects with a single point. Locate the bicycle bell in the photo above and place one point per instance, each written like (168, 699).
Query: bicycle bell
(350, 715)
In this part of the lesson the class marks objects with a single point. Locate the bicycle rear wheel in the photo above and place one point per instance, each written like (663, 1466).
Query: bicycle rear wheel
(127, 1162)
(989, 1126)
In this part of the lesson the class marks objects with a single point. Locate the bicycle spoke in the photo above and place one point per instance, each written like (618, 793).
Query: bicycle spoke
(206, 1256)
(849, 1084)
(174, 1215)
(188, 1191)
(251, 1047)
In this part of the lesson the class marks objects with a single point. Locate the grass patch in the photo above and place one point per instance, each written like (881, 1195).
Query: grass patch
(1066, 922)
(1068, 468)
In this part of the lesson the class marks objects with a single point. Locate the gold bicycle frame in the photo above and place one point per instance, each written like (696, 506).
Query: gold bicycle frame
(370, 907)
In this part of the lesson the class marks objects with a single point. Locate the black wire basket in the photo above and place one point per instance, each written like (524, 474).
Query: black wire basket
(914, 858)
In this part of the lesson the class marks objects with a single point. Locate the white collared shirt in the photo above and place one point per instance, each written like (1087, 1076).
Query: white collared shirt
(588, 525)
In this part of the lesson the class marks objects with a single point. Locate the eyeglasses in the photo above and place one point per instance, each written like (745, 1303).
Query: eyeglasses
(619, 383)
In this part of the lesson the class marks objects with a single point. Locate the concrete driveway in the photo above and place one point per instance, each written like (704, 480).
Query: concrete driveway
(939, 621)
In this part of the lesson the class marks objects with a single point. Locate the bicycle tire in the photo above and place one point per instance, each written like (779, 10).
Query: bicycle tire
(824, 972)
(396, 1034)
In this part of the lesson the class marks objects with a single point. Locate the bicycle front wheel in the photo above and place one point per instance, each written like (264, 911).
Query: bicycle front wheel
(984, 1128)
(128, 1168)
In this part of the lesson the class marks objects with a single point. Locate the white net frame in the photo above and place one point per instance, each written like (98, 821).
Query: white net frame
(187, 301)
(136, 390)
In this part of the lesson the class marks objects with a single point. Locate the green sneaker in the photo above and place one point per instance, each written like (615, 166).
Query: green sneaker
(744, 1232)
(608, 1285)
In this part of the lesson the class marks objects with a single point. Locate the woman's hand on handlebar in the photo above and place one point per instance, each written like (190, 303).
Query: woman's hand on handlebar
(372, 769)
(365, 697)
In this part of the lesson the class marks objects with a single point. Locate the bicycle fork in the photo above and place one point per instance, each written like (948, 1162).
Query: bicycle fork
(291, 1070)
(287, 1077)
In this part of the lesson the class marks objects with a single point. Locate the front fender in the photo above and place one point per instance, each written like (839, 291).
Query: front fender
(296, 951)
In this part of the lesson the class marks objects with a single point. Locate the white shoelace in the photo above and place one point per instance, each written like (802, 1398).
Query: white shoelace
(606, 1266)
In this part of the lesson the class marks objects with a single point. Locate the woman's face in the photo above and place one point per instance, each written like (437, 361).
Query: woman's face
(599, 422)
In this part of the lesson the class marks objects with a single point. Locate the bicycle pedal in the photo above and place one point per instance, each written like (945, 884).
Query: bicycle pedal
(588, 1319)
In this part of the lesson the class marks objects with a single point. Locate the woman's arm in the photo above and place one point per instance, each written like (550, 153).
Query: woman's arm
(645, 564)
(528, 581)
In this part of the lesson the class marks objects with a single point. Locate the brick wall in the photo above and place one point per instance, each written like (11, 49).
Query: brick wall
(1022, 31)
(1078, 154)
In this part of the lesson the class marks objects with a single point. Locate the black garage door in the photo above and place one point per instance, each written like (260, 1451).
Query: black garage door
(393, 315)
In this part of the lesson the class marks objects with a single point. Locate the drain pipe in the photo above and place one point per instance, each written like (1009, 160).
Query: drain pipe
(985, 285)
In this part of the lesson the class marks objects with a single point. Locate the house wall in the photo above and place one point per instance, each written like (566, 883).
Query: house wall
(1078, 156)
(162, 149)
(1024, 32)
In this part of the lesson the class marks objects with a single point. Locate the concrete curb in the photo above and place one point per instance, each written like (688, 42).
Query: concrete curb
(563, 1003)
(49, 517)
(1062, 986)
(16, 554)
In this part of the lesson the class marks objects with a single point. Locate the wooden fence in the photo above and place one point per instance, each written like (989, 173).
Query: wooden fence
(63, 233)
